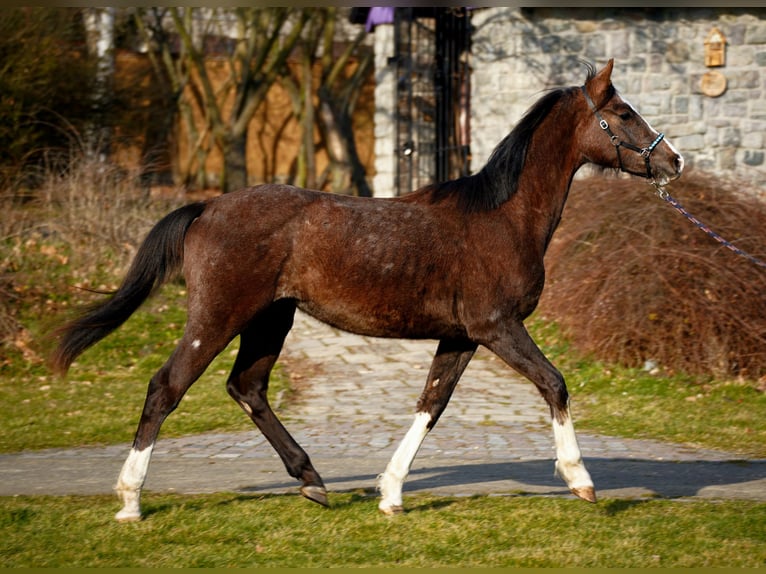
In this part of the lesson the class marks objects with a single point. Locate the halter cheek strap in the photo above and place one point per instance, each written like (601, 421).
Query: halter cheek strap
(618, 143)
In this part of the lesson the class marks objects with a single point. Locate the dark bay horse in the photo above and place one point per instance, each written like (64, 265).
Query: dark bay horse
(459, 261)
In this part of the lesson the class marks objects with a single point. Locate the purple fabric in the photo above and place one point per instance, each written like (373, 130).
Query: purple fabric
(379, 15)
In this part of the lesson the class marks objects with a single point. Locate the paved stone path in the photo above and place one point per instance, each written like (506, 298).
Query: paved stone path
(358, 400)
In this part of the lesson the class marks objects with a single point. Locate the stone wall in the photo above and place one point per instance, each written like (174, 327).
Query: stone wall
(659, 63)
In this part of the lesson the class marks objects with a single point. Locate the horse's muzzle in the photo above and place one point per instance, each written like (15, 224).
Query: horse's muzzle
(670, 167)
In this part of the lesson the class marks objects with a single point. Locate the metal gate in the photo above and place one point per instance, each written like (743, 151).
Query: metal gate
(432, 48)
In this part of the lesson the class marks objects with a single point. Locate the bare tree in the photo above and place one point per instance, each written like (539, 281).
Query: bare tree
(343, 67)
(299, 84)
(172, 73)
(263, 39)
(251, 47)
(99, 24)
(338, 95)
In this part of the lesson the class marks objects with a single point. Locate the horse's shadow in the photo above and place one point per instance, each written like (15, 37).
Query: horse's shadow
(664, 479)
(616, 477)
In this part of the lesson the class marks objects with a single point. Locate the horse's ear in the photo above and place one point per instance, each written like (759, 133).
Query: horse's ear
(599, 86)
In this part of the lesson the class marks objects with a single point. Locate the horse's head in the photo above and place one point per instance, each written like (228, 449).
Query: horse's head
(617, 136)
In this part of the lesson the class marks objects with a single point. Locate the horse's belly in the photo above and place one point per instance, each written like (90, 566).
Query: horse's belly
(377, 319)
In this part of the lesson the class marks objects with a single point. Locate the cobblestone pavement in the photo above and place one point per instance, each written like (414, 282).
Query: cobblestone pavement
(358, 400)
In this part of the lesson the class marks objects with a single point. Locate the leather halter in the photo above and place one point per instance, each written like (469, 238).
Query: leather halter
(618, 143)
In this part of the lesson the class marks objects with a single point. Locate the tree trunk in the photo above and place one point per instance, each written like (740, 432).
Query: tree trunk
(235, 163)
(99, 23)
(347, 171)
(308, 150)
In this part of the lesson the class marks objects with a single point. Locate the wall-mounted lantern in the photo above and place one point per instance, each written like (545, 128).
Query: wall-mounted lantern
(715, 48)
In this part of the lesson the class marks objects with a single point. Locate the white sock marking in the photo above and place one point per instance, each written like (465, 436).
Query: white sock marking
(391, 481)
(132, 477)
(569, 464)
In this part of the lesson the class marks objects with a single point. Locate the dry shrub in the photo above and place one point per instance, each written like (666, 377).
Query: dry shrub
(78, 229)
(631, 280)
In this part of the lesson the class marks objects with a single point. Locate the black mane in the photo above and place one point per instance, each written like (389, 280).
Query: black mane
(498, 180)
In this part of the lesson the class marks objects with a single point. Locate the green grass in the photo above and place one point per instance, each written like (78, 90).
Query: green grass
(231, 530)
(100, 401)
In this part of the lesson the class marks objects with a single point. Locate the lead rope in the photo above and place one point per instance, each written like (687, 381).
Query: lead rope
(680, 209)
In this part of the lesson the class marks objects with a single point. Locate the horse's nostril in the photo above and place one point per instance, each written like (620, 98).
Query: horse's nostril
(679, 164)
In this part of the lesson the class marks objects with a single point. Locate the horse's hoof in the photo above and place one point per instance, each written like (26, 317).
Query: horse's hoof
(123, 516)
(586, 493)
(317, 494)
(391, 510)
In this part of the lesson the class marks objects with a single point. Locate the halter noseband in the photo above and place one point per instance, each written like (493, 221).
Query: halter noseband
(618, 143)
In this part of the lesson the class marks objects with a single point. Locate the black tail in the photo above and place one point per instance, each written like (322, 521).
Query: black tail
(159, 256)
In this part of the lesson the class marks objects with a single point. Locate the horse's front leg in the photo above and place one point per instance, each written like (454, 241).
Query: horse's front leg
(518, 349)
(450, 360)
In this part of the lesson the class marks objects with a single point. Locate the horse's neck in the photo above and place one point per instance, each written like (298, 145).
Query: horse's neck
(543, 187)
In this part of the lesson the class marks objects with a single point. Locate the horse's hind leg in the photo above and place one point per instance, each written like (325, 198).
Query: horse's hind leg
(519, 350)
(166, 388)
(450, 360)
(260, 345)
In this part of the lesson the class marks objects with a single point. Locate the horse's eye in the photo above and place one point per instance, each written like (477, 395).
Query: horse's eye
(625, 115)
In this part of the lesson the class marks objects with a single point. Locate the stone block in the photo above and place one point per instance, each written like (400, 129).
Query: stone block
(736, 110)
(551, 44)
(758, 109)
(743, 80)
(573, 44)
(680, 105)
(677, 52)
(727, 158)
(731, 137)
(740, 57)
(595, 47)
(618, 46)
(735, 34)
(585, 26)
(752, 140)
(756, 33)
(753, 158)
(637, 64)
(658, 82)
(691, 142)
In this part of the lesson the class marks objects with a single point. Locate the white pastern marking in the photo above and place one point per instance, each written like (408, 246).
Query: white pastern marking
(131, 480)
(391, 481)
(196, 344)
(569, 462)
(246, 407)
